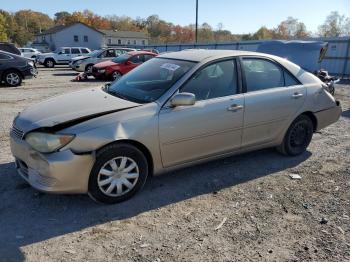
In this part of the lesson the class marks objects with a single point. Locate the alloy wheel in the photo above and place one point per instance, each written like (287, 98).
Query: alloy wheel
(116, 75)
(13, 79)
(118, 176)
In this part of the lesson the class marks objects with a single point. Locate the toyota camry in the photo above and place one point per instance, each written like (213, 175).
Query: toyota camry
(175, 110)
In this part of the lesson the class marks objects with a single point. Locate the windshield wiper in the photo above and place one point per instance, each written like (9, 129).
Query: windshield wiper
(116, 94)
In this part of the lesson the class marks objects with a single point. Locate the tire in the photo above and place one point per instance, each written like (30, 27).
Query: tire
(12, 78)
(49, 63)
(104, 173)
(88, 69)
(297, 137)
(116, 75)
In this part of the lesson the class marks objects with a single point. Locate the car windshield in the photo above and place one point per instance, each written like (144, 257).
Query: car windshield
(149, 81)
(121, 59)
(95, 53)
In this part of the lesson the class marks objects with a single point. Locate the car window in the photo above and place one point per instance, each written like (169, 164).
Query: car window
(148, 57)
(289, 80)
(75, 51)
(262, 74)
(136, 59)
(216, 80)
(65, 51)
(110, 53)
(5, 57)
(84, 51)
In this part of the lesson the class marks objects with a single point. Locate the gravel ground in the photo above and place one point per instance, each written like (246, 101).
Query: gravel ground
(242, 208)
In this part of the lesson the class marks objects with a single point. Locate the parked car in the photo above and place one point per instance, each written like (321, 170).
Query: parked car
(9, 47)
(175, 110)
(120, 65)
(61, 56)
(85, 63)
(29, 52)
(14, 68)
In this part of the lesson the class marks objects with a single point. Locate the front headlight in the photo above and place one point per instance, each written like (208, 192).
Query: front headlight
(47, 143)
(102, 70)
(31, 63)
(78, 62)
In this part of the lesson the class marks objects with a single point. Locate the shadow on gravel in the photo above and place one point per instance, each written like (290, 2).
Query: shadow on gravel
(27, 216)
(66, 74)
(346, 113)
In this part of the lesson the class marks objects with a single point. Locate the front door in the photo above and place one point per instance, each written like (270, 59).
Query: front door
(213, 125)
(273, 96)
(64, 56)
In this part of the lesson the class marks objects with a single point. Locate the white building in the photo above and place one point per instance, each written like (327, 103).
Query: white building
(80, 34)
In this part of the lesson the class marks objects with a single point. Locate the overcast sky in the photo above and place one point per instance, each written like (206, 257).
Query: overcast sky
(238, 16)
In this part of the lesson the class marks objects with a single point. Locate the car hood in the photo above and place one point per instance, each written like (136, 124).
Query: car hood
(79, 58)
(70, 109)
(47, 54)
(105, 64)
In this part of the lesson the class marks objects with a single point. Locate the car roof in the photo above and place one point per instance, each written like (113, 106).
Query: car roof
(198, 55)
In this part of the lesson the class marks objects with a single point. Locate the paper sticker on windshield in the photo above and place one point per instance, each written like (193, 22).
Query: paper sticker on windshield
(170, 67)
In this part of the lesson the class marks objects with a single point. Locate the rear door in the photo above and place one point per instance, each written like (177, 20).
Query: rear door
(272, 97)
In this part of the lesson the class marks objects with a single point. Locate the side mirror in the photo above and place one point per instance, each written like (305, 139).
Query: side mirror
(60, 53)
(183, 99)
(128, 62)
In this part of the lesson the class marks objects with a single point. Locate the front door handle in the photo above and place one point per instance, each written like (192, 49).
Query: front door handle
(234, 107)
(297, 95)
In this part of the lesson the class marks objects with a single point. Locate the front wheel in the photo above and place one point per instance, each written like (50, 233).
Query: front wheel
(49, 63)
(12, 78)
(116, 75)
(88, 69)
(298, 136)
(119, 172)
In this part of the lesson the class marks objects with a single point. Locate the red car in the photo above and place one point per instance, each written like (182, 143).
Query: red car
(120, 65)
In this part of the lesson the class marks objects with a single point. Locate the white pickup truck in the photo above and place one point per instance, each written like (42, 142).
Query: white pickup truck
(61, 56)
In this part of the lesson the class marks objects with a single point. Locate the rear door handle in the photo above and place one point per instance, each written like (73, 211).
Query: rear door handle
(234, 107)
(297, 95)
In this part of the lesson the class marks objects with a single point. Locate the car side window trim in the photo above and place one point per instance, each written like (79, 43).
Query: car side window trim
(282, 68)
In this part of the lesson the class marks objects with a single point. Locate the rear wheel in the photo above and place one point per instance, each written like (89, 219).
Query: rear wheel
(298, 136)
(119, 172)
(50, 63)
(12, 78)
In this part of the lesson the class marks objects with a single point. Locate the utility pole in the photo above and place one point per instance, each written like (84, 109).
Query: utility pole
(196, 21)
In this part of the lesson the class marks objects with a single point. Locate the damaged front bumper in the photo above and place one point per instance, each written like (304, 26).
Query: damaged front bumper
(328, 116)
(58, 172)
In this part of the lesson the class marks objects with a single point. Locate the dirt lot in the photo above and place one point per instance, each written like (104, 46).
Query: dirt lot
(242, 208)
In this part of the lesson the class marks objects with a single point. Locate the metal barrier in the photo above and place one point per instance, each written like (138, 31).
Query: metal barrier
(336, 61)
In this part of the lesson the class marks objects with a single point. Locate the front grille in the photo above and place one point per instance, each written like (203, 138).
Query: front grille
(17, 132)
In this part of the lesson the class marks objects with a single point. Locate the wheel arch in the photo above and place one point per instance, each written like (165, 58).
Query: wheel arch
(11, 69)
(313, 118)
(139, 146)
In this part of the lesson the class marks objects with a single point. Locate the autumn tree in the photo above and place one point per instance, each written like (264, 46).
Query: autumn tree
(3, 25)
(290, 29)
(335, 25)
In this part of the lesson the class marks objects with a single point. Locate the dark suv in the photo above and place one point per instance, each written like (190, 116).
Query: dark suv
(8, 47)
(14, 68)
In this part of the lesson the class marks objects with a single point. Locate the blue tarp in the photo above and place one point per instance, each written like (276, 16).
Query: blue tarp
(306, 54)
